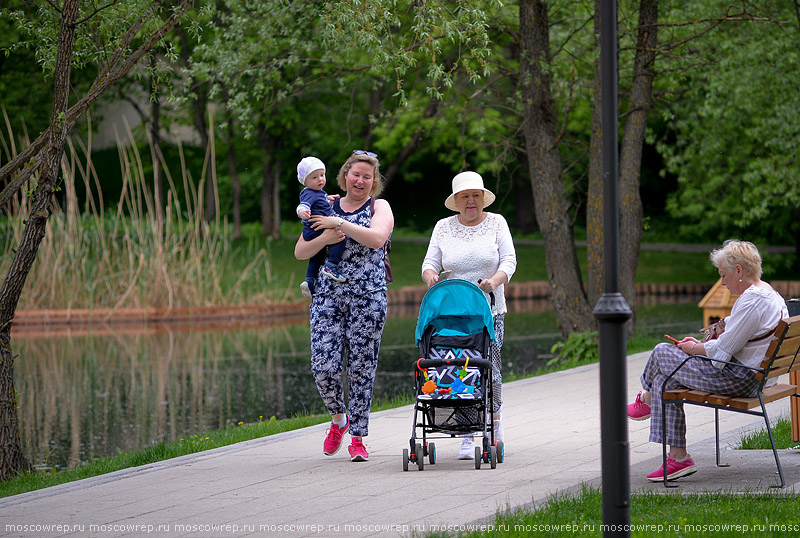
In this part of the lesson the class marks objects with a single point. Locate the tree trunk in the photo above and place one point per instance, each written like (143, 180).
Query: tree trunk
(267, 146)
(12, 460)
(199, 106)
(631, 212)
(276, 199)
(430, 111)
(594, 203)
(155, 143)
(552, 210)
(374, 107)
(524, 219)
(237, 185)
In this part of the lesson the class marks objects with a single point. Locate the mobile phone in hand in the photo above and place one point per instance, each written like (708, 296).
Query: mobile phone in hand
(674, 341)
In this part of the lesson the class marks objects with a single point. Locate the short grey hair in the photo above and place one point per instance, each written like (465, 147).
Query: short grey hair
(735, 252)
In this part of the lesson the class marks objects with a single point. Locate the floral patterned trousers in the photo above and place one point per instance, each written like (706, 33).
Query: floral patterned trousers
(347, 326)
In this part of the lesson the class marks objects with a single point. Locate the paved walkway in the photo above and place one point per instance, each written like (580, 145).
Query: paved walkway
(283, 485)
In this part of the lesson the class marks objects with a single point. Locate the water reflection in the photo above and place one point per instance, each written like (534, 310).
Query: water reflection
(89, 395)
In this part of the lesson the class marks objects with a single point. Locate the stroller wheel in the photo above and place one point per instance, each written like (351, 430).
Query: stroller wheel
(501, 451)
(420, 457)
(405, 459)
(493, 456)
(478, 457)
(432, 453)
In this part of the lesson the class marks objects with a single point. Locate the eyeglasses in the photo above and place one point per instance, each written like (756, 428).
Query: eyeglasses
(367, 153)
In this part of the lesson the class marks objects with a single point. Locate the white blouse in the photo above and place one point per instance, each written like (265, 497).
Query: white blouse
(473, 252)
(756, 312)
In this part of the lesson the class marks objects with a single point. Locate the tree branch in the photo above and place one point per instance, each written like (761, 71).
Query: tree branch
(100, 86)
(96, 11)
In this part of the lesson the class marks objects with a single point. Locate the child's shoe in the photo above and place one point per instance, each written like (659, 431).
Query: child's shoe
(307, 287)
(333, 273)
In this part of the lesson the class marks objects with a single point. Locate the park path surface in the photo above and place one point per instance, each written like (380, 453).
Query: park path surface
(283, 486)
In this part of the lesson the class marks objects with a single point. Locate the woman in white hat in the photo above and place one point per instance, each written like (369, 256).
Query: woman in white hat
(476, 246)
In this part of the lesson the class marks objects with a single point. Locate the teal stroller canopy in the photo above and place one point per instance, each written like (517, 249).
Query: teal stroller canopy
(455, 307)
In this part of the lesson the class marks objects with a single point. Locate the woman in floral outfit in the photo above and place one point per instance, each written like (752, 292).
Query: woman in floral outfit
(347, 318)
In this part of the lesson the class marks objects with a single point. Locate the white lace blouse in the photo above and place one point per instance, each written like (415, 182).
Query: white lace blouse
(756, 312)
(473, 252)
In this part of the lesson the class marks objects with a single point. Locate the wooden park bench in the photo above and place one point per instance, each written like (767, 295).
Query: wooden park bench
(780, 358)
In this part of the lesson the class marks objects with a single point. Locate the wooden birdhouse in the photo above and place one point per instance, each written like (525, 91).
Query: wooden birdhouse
(717, 303)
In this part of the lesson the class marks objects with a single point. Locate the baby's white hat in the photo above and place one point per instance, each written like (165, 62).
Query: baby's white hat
(306, 166)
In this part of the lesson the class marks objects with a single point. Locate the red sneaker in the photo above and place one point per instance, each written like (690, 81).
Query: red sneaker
(675, 469)
(333, 438)
(638, 410)
(358, 452)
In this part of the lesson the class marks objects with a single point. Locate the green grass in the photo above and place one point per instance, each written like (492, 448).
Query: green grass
(759, 440)
(654, 514)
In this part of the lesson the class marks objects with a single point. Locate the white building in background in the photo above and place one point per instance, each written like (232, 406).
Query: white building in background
(117, 117)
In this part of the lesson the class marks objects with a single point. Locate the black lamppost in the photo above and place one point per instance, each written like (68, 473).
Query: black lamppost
(612, 311)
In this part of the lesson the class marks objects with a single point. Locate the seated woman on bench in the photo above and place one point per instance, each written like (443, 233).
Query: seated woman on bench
(745, 339)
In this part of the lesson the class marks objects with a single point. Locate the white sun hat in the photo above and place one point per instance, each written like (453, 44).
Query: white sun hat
(466, 181)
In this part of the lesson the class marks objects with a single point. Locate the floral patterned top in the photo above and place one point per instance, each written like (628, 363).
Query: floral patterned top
(360, 265)
(473, 252)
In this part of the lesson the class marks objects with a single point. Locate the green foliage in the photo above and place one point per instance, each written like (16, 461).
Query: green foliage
(400, 36)
(580, 348)
(733, 138)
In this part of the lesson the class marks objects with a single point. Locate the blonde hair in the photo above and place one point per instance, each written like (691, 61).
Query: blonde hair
(377, 178)
(735, 252)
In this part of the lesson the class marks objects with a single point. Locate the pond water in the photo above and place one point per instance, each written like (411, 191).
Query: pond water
(92, 394)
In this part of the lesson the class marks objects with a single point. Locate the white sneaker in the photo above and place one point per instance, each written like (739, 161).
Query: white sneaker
(498, 429)
(467, 451)
(305, 290)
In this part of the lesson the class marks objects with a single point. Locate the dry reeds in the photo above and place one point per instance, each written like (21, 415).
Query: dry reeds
(131, 256)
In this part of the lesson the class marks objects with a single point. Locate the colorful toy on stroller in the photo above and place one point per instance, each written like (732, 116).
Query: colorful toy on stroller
(454, 373)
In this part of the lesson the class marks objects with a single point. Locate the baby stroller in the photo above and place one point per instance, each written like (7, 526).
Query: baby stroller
(453, 375)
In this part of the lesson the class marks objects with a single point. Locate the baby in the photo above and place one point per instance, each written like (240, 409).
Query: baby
(314, 201)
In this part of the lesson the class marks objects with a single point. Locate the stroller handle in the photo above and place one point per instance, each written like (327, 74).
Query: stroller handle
(491, 294)
(433, 363)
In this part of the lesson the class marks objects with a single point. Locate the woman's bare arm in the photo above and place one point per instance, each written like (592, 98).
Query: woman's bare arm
(304, 250)
(373, 237)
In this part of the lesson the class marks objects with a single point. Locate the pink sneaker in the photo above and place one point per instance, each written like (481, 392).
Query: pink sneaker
(333, 438)
(638, 410)
(358, 452)
(675, 469)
